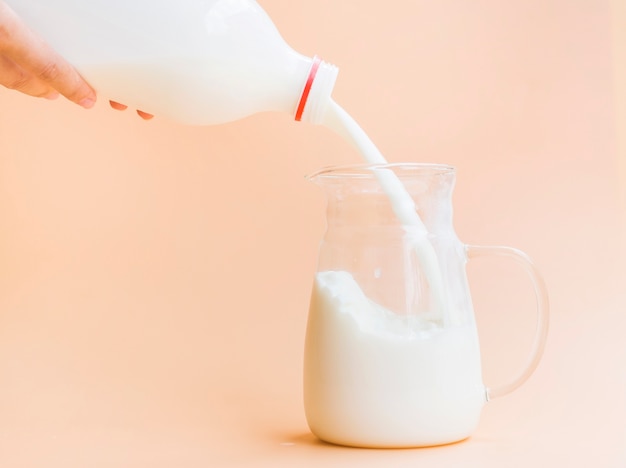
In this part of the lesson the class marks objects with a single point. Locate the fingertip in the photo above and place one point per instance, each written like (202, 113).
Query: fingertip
(117, 106)
(144, 115)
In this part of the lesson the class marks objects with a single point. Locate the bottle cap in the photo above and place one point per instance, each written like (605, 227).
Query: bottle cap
(316, 92)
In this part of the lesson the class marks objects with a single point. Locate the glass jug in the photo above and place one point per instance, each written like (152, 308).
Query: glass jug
(392, 356)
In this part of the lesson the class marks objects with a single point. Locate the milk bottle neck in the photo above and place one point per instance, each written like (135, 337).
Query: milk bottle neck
(316, 92)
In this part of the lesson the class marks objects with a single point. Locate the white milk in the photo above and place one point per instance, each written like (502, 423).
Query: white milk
(374, 378)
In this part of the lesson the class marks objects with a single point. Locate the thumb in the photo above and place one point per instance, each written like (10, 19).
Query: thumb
(35, 56)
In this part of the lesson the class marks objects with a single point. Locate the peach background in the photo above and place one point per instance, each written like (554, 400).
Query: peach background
(154, 278)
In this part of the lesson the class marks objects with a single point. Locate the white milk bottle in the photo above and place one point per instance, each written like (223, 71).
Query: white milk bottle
(198, 62)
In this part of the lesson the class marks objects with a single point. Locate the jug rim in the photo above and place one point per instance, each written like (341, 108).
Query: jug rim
(366, 169)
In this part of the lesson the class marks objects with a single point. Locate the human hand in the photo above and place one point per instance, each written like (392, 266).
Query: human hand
(29, 65)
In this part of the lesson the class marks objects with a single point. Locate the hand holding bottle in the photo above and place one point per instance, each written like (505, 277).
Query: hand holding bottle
(29, 65)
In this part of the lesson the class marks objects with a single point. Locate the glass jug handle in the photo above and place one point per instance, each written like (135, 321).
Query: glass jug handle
(541, 294)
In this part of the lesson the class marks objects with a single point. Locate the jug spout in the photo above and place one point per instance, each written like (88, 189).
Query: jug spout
(413, 195)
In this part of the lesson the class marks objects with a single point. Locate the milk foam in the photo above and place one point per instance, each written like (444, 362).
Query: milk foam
(370, 317)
